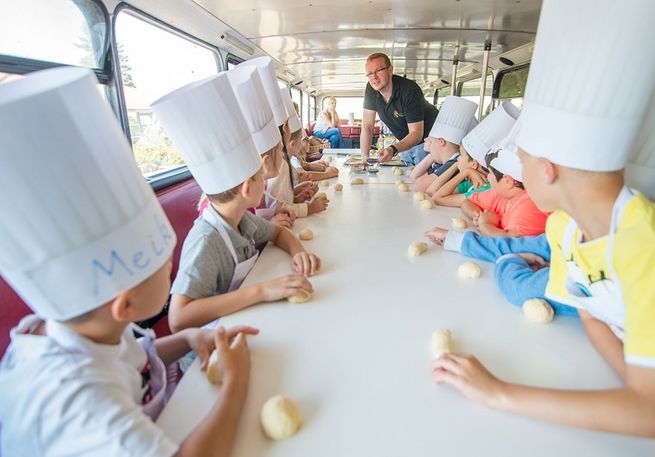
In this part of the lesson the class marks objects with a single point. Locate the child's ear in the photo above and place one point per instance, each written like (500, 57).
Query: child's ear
(121, 309)
(475, 165)
(548, 170)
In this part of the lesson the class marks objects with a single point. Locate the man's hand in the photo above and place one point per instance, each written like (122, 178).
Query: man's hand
(385, 155)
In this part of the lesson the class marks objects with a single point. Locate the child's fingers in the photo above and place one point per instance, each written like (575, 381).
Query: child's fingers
(316, 263)
(220, 338)
(447, 377)
(239, 342)
(245, 329)
(445, 363)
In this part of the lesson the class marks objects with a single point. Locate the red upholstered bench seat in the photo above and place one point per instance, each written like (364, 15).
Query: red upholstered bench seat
(179, 202)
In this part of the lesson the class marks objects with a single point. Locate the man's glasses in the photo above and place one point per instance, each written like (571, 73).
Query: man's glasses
(376, 72)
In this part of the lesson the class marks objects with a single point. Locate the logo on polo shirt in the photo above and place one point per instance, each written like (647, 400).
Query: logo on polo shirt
(396, 114)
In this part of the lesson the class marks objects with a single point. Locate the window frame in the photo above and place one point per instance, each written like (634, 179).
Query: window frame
(231, 59)
(495, 91)
(24, 65)
(177, 174)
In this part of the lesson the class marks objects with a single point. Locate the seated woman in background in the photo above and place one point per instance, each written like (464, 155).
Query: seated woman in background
(327, 125)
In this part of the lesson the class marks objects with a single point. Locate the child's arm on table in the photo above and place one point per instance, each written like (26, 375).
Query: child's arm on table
(629, 410)
(422, 167)
(188, 312)
(488, 225)
(301, 262)
(330, 172)
(214, 436)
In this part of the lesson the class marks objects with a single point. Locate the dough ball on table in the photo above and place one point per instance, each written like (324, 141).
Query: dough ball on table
(325, 183)
(469, 270)
(458, 223)
(419, 196)
(356, 181)
(538, 311)
(303, 297)
(426, 204)
(441, 342)
(399, 182)
(306, 235)
(338, 187)
(403, 187)
(280, 418)
(398, 172)
(416, 249)
(214, 371)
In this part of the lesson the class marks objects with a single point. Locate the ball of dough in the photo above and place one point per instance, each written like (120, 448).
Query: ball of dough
(356, 181)
(398, 172)
(469, 270)
(441, 342)
(458, 223)
(399, 182)
(538, 311)
(403, 187)
(426, 204)
(321, 195)
(325, 183)
(419, 196)
(280, 418)
(338, 187)
(416, 249)
(303, 297)
(306, 235)
(214, 371)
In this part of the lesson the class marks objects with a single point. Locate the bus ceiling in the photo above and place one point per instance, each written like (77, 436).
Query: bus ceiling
(325, 44)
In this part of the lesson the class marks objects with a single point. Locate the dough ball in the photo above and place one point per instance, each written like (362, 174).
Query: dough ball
(399, 182)
(441, 342)
(469, 270)
(321, 195)
(338, 187)
(403, 187)
(214, 371)
(280, 418)
(306, 235)
(538, 311)
(426, 204)
(325, 183)
(394, 168)
(398, 172)
(419, 196)
(356, 181)
(303, 297)
(416, 249)
(458, 223)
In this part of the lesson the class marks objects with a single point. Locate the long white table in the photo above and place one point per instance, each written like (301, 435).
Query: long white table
(357, 358)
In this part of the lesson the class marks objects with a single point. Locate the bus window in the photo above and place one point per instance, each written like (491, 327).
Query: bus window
(347, 105)
(296, 96)
(305, 109)
(233, 61)
(77, 32)
(510, 85)
(470, 90)
(153, 62)
(312, 108)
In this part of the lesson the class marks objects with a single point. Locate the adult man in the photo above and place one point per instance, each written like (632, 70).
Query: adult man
(400, 104)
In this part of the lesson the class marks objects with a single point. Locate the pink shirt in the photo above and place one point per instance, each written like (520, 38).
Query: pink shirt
(519, 215)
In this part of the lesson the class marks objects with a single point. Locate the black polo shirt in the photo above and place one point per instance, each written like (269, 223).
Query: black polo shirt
(406, 105)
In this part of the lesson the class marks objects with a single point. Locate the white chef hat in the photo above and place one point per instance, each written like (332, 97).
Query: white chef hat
(640, 170)
(582, 108)
(454, 120)
(80, 224)
(294, 120)
(250, 95)
(508, 163)
(490, 131)
(269, 81)
(206, 125)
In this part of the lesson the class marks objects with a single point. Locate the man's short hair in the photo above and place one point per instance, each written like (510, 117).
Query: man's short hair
(378, 55)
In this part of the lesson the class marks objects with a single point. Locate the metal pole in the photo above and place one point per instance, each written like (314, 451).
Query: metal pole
(483, 81)
(453, 78)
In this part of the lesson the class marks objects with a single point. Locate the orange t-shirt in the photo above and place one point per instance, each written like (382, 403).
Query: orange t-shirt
(520, 215)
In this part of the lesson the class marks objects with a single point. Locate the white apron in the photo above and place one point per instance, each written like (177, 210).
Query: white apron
(242, 269)
(153, 374)
(602, 297)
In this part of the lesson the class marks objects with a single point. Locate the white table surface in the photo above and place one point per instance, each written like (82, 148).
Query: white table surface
(356, 359)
